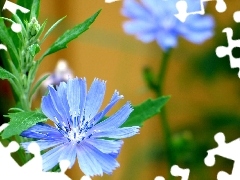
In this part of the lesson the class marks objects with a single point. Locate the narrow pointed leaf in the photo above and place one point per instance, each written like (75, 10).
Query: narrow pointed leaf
(22, 121)
(4, 74)
(145, 111)
(35, 8)
(52, 28)
(6, 39)
(37, 85)
(71, 34)
(26, 4)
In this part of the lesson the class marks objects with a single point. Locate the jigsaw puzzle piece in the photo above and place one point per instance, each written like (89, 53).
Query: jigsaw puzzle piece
(225, 176)
(236, 16)
(34, 165)
(227, 150)
(157, 178)
(220, 6)
(177, 171)
(12, 7)
(6, 160)
(88, 178)
(222, 51)
(182, 7)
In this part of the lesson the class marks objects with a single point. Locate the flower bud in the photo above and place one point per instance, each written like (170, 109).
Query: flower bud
(33, 28)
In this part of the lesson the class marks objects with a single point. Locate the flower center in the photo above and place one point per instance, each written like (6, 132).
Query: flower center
(79, 131)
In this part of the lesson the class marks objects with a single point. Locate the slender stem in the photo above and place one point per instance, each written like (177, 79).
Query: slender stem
(163, 115)
(157, 87)
(162, 73)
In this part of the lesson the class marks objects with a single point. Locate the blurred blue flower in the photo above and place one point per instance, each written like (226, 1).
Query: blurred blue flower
(154, 20)
(61, 73)
(80, 131)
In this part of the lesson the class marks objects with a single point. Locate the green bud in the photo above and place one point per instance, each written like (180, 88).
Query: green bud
(33, 28)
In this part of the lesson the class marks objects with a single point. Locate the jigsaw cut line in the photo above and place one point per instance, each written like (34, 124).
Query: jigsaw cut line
(222, 51)
(182, 7)
(227, 150)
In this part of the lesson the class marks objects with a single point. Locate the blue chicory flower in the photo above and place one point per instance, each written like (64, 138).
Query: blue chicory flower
(154, 20)
(80, 129)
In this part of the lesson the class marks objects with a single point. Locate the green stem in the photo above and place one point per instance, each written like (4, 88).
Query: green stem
(157, 88)
(163, 115)
(162, 73)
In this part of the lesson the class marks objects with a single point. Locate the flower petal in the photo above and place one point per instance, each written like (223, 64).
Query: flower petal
(115, 98)
(87, 162)
(167, 40)
(94, 162)
(45, 144)
(69, 153)
(73, 96)
(42, 131)
(141, 28)
(58, 106)
(50, 158)
(94, 98)
(139, 11)
(106, 146)
(62, 95)
(83, 95)
(198, 29)
(115, 120)
(118, 133)
(49, 110)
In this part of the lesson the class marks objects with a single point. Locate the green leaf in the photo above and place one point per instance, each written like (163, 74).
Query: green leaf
(22, 121)
(52, 28)
(71, 34)
(6, 39)
(145, 111)
(4, 74)
(35, 9)
(26, 4)
(37, 85)
(34, 49)
(41, 30)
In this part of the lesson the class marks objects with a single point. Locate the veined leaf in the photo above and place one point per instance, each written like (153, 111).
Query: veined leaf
(22, 121)
(71, 34)
(145, 111)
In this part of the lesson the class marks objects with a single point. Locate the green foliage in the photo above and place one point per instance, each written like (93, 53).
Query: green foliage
(34, 49)
(26, 4)
(71, 34)
(35, 8)
(52, 28)
(6, 39)
(21, 121)
(146, 110)
(4, 74)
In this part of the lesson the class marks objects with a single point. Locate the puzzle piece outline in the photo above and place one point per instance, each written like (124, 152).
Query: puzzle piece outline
(228, 151)
(182, 7)
(177, 171)
(222, 51)
(31, 169)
